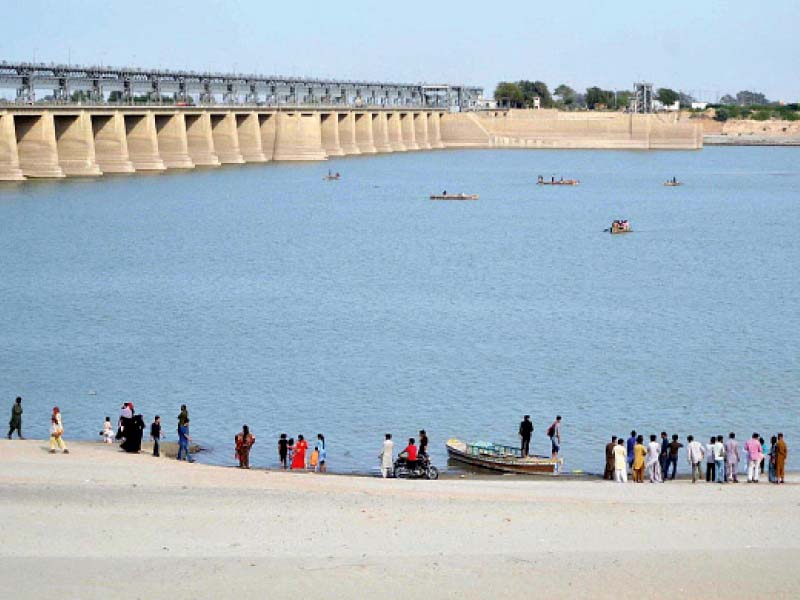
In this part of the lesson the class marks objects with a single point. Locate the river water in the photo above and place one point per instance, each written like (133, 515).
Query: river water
(262, 294)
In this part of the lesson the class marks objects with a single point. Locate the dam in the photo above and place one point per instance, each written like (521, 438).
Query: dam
(213, 119)
(77, 141)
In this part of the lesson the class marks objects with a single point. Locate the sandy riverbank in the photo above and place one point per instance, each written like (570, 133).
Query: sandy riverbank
(85, 524)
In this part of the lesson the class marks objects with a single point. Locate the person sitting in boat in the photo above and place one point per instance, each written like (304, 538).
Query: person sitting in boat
(410, 454)
(444, 193)
(552, 179)
(540, 180)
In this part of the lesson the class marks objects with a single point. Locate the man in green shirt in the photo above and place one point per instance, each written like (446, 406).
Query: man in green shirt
(16, 419)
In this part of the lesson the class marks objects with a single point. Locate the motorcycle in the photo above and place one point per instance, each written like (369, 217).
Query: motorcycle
(423, 469)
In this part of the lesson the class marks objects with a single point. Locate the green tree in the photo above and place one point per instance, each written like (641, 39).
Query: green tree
(667, 97)
(722, 114)
(507, 93)
(622, 99)
(531, 89)
(595, 96)
(566, 94)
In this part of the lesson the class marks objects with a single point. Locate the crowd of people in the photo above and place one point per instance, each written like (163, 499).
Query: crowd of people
(717, 461)
(658, 460)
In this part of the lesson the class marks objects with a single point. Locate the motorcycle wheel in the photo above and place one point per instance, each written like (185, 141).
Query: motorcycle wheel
(400, 473)
(432, 473)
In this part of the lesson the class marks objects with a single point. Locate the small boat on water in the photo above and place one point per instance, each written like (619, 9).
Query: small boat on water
(673, 183)
(446, 196)
(332, 177)
(506, 459)
(554, 181)
(620, 226)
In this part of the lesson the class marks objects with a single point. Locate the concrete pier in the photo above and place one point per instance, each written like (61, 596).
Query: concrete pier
(421, 130)
(140, 130)
(36, 145)
(380, 132)
(59, 141)
(347, 133)
(9, 158)
(408, 131)
(200, 140)
(226, 138)
(111, 143)
(395, 129)
(75, 145)
(266, 123)
(173, 145)
(249, 132)
(299, 137)
(330, 134)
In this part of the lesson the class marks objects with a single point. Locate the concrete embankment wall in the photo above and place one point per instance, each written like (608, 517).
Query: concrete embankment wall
(749, 132)
(554, 129)
(65, 141)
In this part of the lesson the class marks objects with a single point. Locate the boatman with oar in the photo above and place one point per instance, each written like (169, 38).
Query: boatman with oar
(525, 432)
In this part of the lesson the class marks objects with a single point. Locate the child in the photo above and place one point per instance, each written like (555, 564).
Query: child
(290, 450)
(155, 434)
(108, 432)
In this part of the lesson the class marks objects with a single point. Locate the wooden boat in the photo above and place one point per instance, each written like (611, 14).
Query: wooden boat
(558, 182)
(672, 183)
(506, 459)
(336, 177)
(454, 196)
(620, 227)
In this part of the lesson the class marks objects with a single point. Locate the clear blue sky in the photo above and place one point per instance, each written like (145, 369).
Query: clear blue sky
(708, 45)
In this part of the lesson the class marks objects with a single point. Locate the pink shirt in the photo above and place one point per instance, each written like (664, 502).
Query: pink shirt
(753, 447)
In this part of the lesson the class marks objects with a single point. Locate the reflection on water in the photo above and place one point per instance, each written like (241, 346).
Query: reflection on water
(270, 297)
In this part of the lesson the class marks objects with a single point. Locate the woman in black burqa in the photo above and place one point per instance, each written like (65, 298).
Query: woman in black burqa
(132, 431)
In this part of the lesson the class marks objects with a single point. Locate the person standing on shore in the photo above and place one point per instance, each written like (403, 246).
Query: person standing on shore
(653, 462)
(554, 433)
(525, 433)
(322, 454)
(608, 474)
(664, 452)
(299, 454)
(283, 450)
(155, 435)
(710, 463)
(754, 456)
(695, 453)
(15, 423)
(57, 432)
(732, 458)
(672, 459)
(764, 453)
(631, 443)
(183, 441)
(423, 443)
(183, 417)
(620, 462)
(781, 452)
(719, 460)
(387, 456)
(244, 440)
(773, 455)
(639, 453)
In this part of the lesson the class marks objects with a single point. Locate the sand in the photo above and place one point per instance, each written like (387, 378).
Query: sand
(98, 523)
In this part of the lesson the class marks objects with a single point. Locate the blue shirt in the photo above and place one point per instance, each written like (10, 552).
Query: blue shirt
(631, 444)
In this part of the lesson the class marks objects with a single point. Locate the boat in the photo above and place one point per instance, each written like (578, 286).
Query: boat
(454, 196)
(498, 457)
(554, 181)
(620, 226)
(332, 177)
(672, 183)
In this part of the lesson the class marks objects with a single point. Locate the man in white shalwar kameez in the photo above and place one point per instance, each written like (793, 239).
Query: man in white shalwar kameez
(387, 456)
(652, 462)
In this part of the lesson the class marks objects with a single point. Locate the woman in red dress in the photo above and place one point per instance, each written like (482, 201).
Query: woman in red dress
(299, 457)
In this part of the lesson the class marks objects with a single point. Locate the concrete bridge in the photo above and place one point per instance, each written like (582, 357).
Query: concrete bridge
(128, 85)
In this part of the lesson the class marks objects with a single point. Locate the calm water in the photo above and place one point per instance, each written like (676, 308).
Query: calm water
(263, 295)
